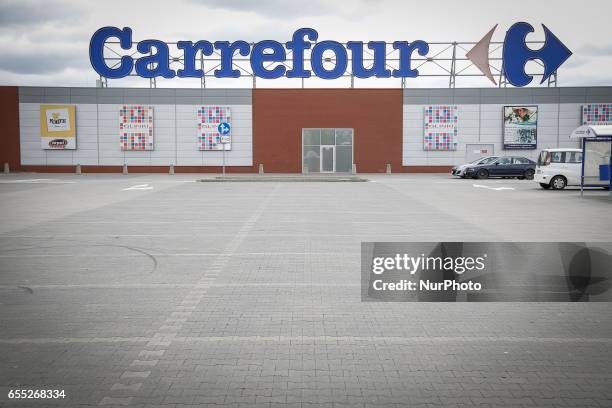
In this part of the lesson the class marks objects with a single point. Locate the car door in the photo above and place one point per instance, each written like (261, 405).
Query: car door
(520, 165)
(502, 167)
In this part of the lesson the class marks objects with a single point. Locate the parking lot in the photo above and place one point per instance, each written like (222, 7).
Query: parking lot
(157, 290)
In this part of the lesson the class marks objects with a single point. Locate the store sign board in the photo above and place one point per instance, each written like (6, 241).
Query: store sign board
(597, 114)
(57, 127)
(214, 128)
(269, 59)
(520, 127)
(440, 127)
(136, 127)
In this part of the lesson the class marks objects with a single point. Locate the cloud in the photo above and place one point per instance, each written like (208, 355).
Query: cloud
(26, 13)
(49, 63)
(591, 50)
(39, 37)
(26, 58)
(273, 8)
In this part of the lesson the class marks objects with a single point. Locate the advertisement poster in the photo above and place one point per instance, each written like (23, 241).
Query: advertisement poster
(520, 127)
(440, 127)
(57, 127)
(214, 128)
(597, 114)
(136, 127)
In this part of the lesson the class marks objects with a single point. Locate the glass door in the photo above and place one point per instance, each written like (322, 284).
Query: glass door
(327, 150)
(328, 159)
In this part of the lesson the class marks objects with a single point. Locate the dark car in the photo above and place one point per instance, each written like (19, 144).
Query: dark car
(509, 166)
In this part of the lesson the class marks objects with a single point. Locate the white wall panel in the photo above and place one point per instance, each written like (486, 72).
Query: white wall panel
(484, 124)
(175, 138)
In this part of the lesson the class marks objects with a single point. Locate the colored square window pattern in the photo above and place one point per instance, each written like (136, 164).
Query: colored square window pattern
(597, 114)
(211, 120)
(136, 127)
(440, 128)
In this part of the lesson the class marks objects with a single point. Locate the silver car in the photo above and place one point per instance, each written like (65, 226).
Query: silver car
(459, 171)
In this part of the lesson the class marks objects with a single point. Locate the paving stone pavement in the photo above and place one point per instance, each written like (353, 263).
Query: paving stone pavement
(247, 294)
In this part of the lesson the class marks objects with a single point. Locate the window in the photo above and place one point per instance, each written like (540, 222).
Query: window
(312, 137)
(544, 158)
(505, 160)
(486, 160)
(328, 137)
(521, 160)
(557, 157)
(575, 157)
(344, 137)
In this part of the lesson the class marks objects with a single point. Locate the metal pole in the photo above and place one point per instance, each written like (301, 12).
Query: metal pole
(582, 170)
(203, 79)
(223, 144)
(451, 81)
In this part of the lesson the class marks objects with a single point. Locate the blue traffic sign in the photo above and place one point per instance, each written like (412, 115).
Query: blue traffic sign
(224, 128)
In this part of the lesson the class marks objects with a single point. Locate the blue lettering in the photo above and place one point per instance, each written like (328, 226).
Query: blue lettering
(227, 50)
(259, 57)
(96, 52)
(316, 59)
(154, 65)
(298, 46)
(378, 68)
(405, 56)
(190, 51)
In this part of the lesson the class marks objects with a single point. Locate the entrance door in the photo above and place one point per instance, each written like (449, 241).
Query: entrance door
(327, 150)
(328, 159)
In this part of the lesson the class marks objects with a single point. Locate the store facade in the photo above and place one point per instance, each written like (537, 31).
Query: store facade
(50, 129)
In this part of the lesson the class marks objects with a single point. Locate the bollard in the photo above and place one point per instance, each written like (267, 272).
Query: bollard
(354, 169)
(78, 169)
(7, 170)
(261, 170)
(171, 169)
(125, 169)
(388, 168)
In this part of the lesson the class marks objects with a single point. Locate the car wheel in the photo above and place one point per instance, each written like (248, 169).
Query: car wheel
(529, 174)
(558, 183)
(482, 174)
(545, 186)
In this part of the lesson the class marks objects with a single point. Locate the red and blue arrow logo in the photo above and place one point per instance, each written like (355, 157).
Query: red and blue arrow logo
(516, 54)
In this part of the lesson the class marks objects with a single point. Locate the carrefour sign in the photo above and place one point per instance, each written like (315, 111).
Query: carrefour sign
(268, 59)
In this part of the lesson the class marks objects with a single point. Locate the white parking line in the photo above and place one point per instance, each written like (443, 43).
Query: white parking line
(493, 188)
(138, 187)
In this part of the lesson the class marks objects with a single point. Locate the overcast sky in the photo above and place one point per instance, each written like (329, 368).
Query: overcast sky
(47, 42)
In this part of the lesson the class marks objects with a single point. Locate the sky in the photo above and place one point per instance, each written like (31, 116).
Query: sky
(47, 42)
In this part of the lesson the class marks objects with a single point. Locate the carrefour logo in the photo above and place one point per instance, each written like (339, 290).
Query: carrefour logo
(272, 59)
(516, 54)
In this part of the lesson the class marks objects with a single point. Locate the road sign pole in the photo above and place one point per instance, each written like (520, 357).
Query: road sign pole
(223, 144)
(224, 132)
